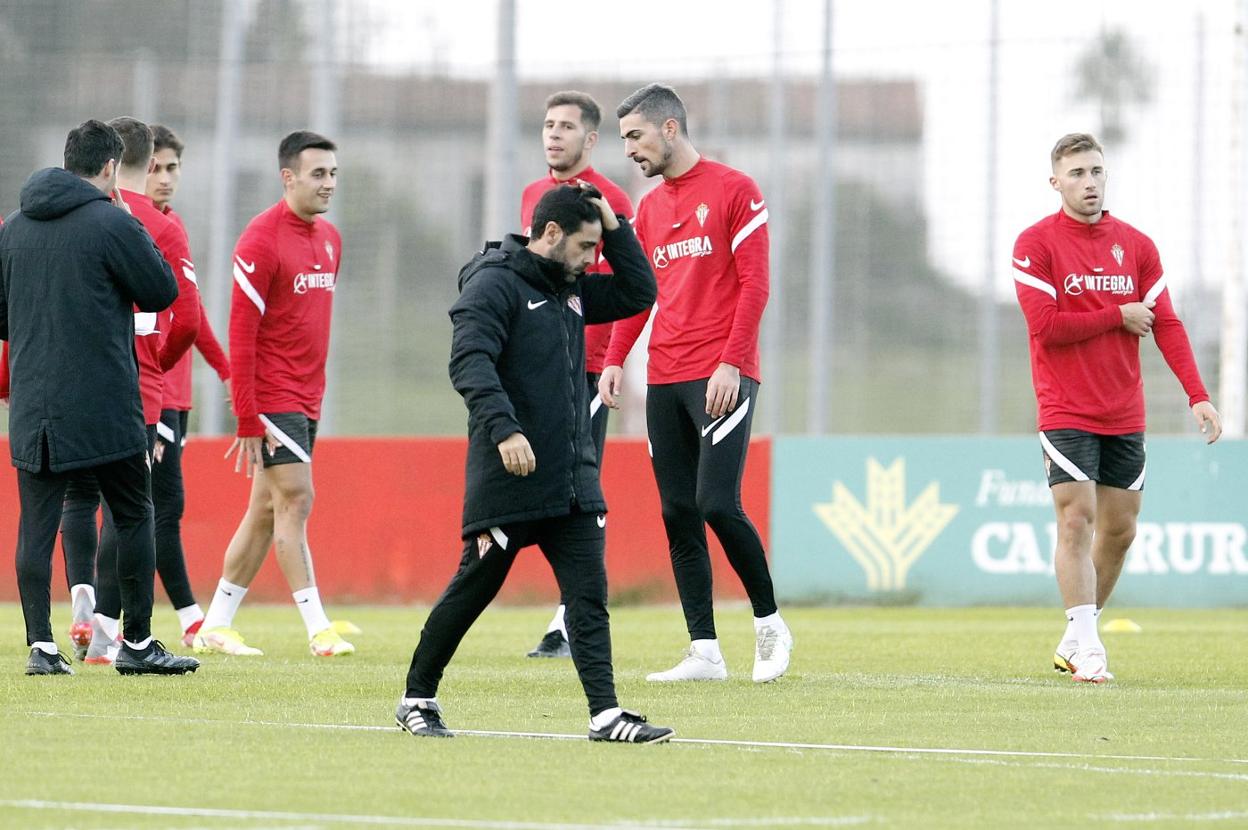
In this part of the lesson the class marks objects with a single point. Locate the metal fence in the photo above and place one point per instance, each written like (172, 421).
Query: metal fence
(895, 193)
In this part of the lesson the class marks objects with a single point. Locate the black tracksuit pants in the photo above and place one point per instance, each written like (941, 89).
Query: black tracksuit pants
(89, 554)
(597, 430)
(574, 546)
(698, 464)
(169, 500)
(124, 485)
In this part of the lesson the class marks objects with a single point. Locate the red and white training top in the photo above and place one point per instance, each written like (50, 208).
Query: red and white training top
(706, 235)
(177, 387)
(161, 338)
(1071, 278)
(596, 336)
(285, 273)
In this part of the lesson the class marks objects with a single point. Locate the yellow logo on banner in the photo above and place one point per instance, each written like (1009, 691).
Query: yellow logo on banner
(886, 536)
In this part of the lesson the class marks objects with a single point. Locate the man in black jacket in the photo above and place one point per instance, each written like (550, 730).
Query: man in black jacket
(518, 360)
(72, 269)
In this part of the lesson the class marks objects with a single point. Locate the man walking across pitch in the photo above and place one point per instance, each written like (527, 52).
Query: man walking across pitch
(1091, 286)
(518, 360)
(705, 228)
(569, 135)
(285, 273)
(72, 268)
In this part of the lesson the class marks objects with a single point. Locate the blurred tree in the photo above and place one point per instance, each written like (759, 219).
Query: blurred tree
(1114, 76)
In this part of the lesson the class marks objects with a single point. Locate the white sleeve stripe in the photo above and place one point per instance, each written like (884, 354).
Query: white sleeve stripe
(1155, 291)
(1035, 282)
(248, 288)
(163, 430)
(754, 224)
(286, 441)
(189, 273)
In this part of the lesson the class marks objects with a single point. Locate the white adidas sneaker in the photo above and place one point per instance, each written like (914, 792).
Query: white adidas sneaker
(772, 646)
(694, 666)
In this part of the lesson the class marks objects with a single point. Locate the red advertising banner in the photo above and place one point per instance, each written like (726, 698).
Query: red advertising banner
(385, 523)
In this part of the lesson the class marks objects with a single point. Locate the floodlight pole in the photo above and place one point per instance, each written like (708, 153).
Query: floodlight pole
(823, 236)
(988, 323)
(774, 320)
(221, 202)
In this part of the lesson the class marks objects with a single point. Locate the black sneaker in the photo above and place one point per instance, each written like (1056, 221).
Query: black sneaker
(42, 663)
(631, 728)
(553, 644)
(423, 720)
(155, 659)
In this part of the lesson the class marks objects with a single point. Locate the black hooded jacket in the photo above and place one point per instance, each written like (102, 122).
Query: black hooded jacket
(518, 360)
(72, 269)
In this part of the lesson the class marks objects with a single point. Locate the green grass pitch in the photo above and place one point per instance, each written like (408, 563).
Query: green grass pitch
(889, 717)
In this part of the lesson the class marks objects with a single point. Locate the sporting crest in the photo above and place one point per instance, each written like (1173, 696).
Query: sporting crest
(574, 303)
(483, 545)
(1117, 252)
(702, 212)
(329, 249)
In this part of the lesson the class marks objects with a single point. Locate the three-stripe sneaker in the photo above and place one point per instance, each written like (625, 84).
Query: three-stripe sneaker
(423, 719)
(632, 728)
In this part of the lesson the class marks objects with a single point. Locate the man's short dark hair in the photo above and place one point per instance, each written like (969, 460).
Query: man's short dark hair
(298, 141)
(568, 206)
(89, 146)
(164, 138)
(136, 137)
(591, 113)
(1072, 143)
(656, 103)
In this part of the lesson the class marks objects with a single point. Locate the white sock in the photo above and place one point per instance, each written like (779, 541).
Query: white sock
(82, 597)
(1083, 619)
(47, 648)
(708, 649)
(139, 646)
(308, 601)
(771, 620)
(109, 626)
(604, 718)
(188, 615)
(557, 623)
(224, 606)
(1068, 636)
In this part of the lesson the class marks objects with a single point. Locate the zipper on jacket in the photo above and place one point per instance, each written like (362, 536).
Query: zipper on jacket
(576, 422)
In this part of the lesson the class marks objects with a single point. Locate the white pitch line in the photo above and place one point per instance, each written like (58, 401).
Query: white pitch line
(411, 821)
(489, 733)
(1165, 773)
(1183, 817)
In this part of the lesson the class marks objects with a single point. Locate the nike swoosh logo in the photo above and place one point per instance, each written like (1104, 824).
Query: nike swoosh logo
(1025, 262)
(757, 205)
(249, 267)
(706, 429)
(533, 305)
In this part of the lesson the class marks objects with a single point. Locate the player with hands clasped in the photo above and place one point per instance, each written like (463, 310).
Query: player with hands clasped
(1091, 286)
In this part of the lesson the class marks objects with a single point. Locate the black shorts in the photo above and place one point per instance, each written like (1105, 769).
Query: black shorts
(1112, 460)
(295, 434)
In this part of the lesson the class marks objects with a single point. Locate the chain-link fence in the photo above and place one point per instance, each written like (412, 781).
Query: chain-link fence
(942, 131)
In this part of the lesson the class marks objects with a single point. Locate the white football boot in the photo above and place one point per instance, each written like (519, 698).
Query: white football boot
(694, 666)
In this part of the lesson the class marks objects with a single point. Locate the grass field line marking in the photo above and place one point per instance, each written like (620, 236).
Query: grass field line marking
(1165, 773)
(416, 821)
(1227, 815)
(489, 733)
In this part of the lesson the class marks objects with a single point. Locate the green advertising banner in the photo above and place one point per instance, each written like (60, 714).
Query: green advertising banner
(969, 521)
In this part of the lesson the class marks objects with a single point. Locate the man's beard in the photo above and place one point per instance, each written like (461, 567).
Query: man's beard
(570, 162)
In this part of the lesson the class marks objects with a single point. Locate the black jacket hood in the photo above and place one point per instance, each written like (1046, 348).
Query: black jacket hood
(544, 274)
(53, 192)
